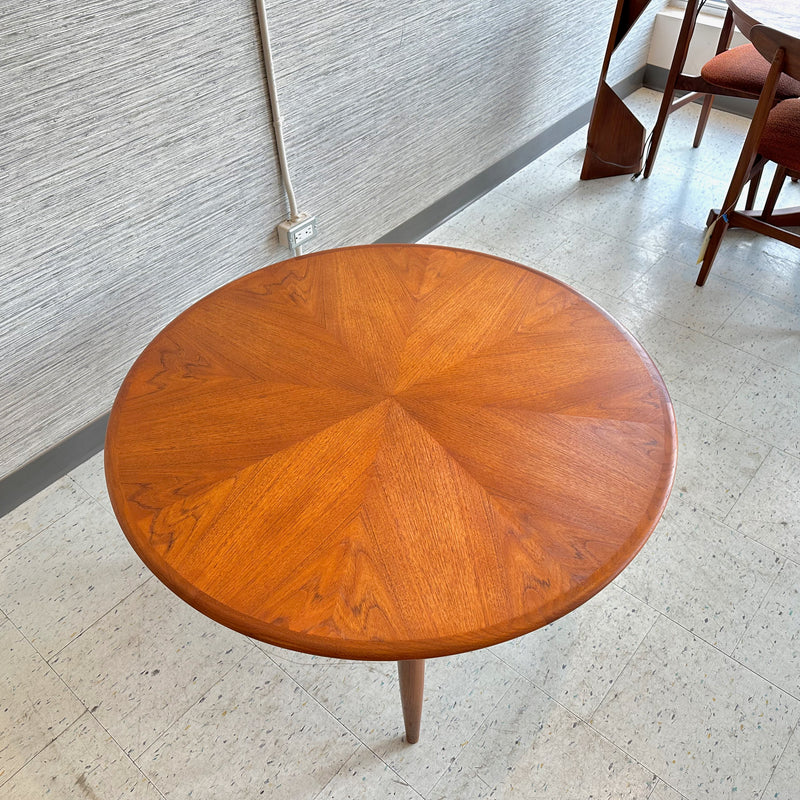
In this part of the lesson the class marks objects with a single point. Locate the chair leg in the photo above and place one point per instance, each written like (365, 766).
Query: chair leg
(720, 227)
(741, 176)
(774, 191)
(725, 36)
(748, 161)
(678, 60)
(705, 111)
(755, 182)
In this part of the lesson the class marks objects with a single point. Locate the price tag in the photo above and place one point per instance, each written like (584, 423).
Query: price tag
(707, 237)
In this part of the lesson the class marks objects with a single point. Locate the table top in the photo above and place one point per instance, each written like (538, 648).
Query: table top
(390, 452)
(783, 15)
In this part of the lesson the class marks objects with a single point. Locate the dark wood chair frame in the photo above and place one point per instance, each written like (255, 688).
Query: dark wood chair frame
(783, 51)
(695, 85)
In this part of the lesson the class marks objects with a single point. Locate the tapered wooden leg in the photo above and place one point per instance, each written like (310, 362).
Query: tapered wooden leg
(752, 190)
(675, 70)
(711, 251)
(774, 190)
(705, 112)
(412, 683)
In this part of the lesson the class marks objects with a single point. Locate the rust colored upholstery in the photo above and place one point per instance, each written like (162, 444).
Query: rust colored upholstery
(780, 141)
(745, 69)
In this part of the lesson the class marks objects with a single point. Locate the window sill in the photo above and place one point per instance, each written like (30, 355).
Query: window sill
(704, 41)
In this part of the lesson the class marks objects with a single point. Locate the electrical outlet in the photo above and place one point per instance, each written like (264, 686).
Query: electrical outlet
(293, 233)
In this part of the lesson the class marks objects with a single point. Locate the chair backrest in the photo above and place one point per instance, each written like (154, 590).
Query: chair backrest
(769, 41)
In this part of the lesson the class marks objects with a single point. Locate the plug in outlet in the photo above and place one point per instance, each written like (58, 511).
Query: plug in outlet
(293, 233)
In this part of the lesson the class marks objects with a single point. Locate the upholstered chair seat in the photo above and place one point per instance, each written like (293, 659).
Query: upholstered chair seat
(743, 68)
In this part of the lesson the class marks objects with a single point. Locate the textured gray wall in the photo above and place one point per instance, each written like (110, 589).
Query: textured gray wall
(138, 169)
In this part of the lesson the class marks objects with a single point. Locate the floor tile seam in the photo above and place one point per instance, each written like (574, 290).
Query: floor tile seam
(87, 499)
(736, 428)
(625, 751)
(790, 559)
(662, 317)
(750, 669)
(547, 252)
(669, 786)
(471, 736)
(82, 487)
(775, 364)
(454, 221)
(693, 505)
(747, 536)
(515, 196)
(485, 719)
(359, 742)
(342, 766)
(122, 750)
(585, 720)
(760, 606)
(792, 308)
(710, 333)
(75, 722)
(628, 660)
(320, 705)
(636, 760)
(713, 336)
(794, 696)
(139, 756)
(745, 381)
(762, 796)
(388, 766)
(4, 779)
(186, 710)
(473, 772)
(148, 576)
(53, 670)
(705, 413)
(586, 224)
(766, 361)
(749, 289)
(751, 436)
(730, 511)
(536, 685)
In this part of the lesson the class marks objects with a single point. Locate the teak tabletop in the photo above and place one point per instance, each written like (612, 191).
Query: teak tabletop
(390, 452)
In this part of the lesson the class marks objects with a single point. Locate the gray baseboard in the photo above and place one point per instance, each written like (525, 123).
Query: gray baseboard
(656, 78)
(43, 470)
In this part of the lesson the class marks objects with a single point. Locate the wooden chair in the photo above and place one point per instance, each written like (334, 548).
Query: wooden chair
(774, 135)
(739, 72)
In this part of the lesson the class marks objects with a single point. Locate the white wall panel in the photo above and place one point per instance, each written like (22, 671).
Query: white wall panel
(138, 169)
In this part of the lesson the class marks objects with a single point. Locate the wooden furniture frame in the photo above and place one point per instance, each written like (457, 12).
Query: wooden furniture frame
(616, 139)
(783, 51)
(695, 85)
(390, 452)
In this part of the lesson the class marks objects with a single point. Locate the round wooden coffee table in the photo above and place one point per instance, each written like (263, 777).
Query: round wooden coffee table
(390, 452)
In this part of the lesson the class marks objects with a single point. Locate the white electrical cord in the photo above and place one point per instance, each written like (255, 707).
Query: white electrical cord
(276, 112)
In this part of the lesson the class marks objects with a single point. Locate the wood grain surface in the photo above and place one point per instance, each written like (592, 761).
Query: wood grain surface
(390, 452)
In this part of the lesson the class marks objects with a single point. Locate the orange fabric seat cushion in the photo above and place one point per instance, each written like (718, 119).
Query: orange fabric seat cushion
(780, 141)
(745, 69)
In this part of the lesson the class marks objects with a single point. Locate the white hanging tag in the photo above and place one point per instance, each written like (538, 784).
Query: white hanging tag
(707, 239)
